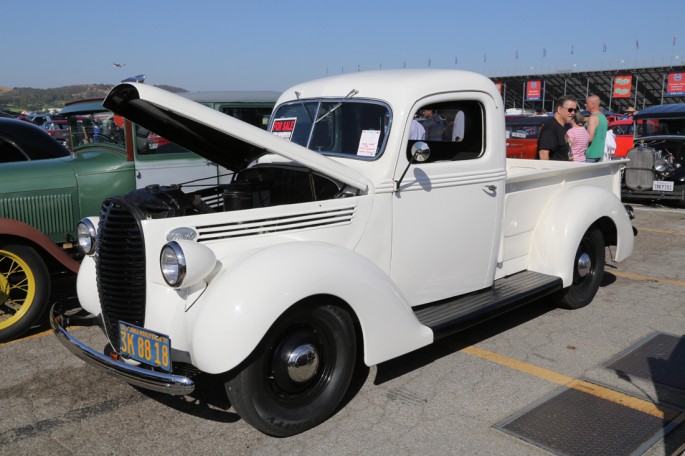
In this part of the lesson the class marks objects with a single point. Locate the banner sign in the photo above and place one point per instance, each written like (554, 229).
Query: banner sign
(622, 85)
(533, 90)
(676, 84)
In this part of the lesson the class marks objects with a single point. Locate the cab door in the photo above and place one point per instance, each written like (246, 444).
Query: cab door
(447, 211)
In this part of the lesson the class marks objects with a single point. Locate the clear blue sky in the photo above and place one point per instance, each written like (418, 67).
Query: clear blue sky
(253, 45)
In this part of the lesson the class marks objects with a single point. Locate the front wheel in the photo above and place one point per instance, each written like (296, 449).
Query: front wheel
(300, 372)
(588, 269)
(24, 289)
(679, 203)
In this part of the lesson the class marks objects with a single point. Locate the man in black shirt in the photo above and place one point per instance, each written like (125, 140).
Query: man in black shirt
(552, 144)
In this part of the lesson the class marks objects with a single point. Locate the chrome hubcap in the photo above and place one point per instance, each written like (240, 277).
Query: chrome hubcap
(302, 363)
(584, 264)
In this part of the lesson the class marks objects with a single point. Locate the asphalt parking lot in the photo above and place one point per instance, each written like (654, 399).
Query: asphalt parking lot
(605, 379)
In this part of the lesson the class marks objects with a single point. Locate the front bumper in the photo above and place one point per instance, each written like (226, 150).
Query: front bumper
(162, 382)
(652, 195)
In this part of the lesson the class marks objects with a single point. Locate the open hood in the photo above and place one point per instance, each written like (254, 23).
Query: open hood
(211, 134)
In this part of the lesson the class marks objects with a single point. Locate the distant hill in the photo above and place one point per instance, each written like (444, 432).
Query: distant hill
(18, 99)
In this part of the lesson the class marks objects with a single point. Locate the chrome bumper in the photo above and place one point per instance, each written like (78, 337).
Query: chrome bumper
(156, 381)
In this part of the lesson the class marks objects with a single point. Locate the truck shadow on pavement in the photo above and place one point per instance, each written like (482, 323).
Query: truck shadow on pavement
(398, 367)
(208, 401)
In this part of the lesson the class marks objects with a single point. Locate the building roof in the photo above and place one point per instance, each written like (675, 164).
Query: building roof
(648, 88)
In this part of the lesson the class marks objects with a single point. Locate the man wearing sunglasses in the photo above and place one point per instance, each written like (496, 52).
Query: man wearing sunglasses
(597, 126)
(552, 143)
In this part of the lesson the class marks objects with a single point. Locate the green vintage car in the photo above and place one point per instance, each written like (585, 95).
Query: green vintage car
(42, 201)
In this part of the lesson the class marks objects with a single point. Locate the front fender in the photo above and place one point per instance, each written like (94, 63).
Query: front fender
(678, 175)
(563, 223)
(22, 230)
(241, 303)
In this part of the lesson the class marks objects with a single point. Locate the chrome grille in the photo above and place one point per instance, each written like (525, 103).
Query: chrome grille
(120, 267)
(639, 172)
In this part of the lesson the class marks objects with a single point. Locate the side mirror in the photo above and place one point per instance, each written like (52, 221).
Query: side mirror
(420, 152)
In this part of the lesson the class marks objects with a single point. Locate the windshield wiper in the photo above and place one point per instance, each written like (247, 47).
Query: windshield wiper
(352, 93)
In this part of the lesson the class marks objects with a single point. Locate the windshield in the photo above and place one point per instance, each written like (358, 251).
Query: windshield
(335, 127)
(150, 143)
(97, 128)
(651, 127)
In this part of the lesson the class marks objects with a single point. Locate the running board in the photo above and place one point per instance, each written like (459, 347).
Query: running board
(456, 314)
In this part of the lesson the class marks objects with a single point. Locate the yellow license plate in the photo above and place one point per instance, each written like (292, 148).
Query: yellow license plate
(145, 346)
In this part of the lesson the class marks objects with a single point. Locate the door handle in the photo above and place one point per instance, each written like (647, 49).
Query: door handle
(491, 187)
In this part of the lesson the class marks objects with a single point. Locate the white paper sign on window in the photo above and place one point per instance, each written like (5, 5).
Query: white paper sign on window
(368, 144)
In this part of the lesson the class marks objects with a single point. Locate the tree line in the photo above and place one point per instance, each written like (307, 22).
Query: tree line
(20, 99)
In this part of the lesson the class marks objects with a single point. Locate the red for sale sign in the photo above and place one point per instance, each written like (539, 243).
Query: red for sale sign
(284, 127)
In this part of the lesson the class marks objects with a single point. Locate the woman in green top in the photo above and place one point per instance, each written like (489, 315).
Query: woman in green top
(597, 128)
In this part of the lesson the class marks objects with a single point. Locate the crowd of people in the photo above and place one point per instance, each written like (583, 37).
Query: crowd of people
(569, 136)
(431, 126)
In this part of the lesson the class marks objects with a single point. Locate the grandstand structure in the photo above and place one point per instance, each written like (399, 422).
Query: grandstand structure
(648, 87)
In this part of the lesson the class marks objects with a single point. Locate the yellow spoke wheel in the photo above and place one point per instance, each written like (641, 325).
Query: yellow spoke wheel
(24, 289)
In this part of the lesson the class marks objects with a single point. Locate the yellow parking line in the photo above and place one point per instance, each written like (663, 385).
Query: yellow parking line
(580, 385)
(655, 231)
(630, 275)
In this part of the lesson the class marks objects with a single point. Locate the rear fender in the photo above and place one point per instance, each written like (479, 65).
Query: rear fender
(563, 223)
(242, 302)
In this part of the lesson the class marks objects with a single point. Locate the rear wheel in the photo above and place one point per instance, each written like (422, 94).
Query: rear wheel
(24, 289)
(300, 372)
(588, 269)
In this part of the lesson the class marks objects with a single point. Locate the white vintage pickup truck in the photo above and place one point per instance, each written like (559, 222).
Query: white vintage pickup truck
(342, 237)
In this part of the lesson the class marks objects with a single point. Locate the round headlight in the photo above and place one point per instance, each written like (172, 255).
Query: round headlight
(85, 233)
(660, 165)
(172, 261)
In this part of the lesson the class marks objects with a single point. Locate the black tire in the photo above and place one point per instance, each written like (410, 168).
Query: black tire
(24, 290)
(588, 269)
(679, 188)
(266, 394)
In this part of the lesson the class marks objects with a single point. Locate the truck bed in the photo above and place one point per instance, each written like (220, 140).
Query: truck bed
(530, 186)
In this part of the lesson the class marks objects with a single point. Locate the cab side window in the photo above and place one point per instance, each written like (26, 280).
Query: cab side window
(10, 153)
(453, 130)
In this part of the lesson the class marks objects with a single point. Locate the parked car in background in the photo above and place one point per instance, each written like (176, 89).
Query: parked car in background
(655, 172)
(42, 201)
(624, 132)
(42, 119)
(253, 107)
(58, 129)
(522, 135)
(22, 141)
